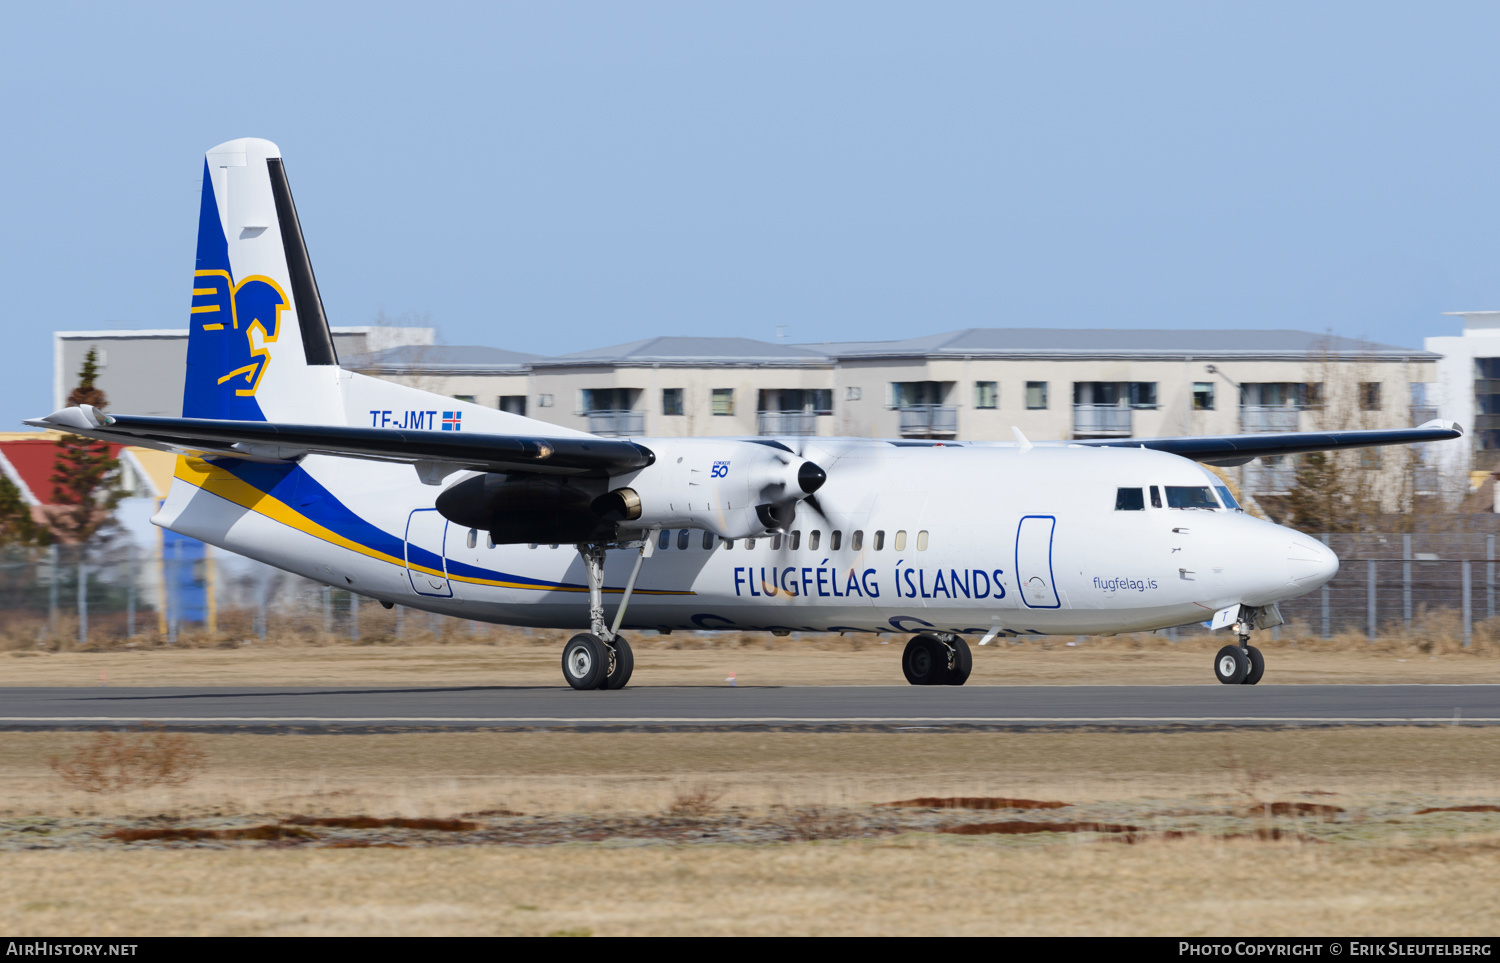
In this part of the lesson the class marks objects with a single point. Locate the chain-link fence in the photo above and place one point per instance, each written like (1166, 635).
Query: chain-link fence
(49, 595)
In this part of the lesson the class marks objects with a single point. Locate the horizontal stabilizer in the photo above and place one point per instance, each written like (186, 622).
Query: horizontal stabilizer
(1231, 450)
(266, 441)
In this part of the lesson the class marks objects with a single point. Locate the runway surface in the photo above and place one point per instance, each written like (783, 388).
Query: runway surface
(790, 707)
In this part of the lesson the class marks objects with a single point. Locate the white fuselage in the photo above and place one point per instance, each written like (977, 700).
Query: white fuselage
(957, 538)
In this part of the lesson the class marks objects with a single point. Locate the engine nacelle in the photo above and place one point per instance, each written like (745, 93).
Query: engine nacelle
(735, 489)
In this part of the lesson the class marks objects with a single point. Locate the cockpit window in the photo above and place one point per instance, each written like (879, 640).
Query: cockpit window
(1155, 497)
(1130, 500)
(1227, 498)
(1183, 496)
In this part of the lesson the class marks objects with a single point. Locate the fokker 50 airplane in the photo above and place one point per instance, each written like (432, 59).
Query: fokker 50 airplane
(416, 499)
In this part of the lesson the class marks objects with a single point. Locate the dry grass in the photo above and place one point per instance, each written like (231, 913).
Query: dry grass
(708, 660)
(1371, 875)
(117, 761)
(438, 775)
(943, 886)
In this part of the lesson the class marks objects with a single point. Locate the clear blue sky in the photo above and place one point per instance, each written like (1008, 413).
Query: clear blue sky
(553, 176)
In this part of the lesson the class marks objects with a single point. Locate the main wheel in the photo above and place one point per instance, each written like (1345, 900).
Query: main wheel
(925, 661)
(1231, 665)
(963, 662)
(624, 665)
(1257, 667)
(585, 662)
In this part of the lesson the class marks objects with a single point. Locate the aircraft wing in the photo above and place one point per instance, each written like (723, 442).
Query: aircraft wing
(271, 442)
(1230, 450)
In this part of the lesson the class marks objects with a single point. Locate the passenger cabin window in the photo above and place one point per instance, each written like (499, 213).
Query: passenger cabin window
(857, 540)
(1130, 500)
(922, 541)
(728, 544)
(473, 537)
(812, 540)
(708, 541)
(1227, 498)
(664, 540)
(1196, 496)
(776, 543)
(796, 541)
(749, 544)
(879, 541)
(1155, 497)
(489, 540)
(682, 539)
(900, 543)
(834, 539)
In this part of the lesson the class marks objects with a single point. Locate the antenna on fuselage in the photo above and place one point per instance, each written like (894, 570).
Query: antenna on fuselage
(1025, 442)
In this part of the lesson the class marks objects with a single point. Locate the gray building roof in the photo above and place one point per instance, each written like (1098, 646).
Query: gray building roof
(694, 351)
(1130, 344)
(447, 359)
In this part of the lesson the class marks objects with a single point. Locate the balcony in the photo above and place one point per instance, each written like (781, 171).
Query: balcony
(1102, 421)
(1268, 418)
(1271, 476)
(928, 421)
(617, 422)
(786, 422)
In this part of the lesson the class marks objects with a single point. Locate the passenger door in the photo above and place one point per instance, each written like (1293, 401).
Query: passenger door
(1034, 562)
(426, 566)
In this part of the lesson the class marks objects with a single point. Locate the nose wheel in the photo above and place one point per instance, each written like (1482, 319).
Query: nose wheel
(1240, 664)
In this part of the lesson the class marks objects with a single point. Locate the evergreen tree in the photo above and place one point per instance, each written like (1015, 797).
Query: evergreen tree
(1319, 501)
(17, 527)
(83, 479)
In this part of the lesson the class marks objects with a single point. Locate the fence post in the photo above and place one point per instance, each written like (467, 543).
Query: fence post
(1327, 627)
(83, 599)
(174, 597)
(1406, 581)
(327, 610)
(52, 590)
(260, 606)
(1489, 576)
(130, 572)
(1468, 603)
(353, 617)
(1370, 600)
(400, 623)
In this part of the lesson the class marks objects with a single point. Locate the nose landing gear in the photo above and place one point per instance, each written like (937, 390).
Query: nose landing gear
(1240, 664)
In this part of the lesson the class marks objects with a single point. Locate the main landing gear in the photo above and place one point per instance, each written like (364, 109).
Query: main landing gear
(601, 658)
(1240, 664)
(937, 658)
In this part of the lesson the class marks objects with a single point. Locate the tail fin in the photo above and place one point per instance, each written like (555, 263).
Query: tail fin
(259, 346)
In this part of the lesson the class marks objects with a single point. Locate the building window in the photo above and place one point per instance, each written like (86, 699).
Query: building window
(544, 401)
(515, 404)
(852, 393)
(1369, 458)
(671, 401)
(1369, 396)
(723, 403)
(986, 394)
(1203, 396)
(1036, 395)
(468, 398)
(1142, 394)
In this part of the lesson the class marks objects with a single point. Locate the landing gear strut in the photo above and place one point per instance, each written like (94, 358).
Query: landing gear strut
(937, 658)
(601, 658)
(1240, 664)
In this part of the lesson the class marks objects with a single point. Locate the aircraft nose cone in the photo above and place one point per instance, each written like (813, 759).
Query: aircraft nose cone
(1310, 563)
(810, 477)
